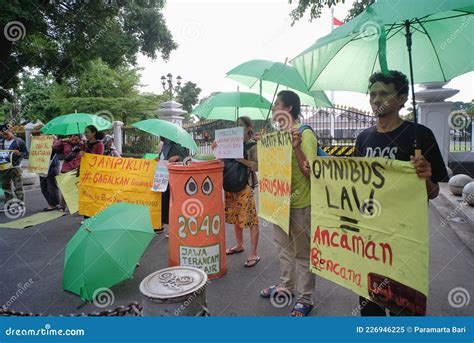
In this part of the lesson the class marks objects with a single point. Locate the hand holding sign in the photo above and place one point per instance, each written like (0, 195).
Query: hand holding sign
(296, 138)
(360, 240)
(229, 143)
(422, 166)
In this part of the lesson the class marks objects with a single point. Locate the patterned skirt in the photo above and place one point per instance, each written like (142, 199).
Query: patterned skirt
(240, 208)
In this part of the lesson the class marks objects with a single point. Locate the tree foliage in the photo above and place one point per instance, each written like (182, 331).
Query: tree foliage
(316, 6)
(62, 37)
(188, 96)
(113, 92)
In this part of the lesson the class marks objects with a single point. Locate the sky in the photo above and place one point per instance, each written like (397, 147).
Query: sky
(215, 36)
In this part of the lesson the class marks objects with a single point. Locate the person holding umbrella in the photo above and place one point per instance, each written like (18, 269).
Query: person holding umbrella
(171, 152)
(393, 138)
(93, 144)
(48, 184)
(240, 207)
(70, 148)
(176, 142)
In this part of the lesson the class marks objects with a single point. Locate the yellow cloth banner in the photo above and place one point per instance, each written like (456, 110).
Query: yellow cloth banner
(369, 230)
(40, 153)
(6, 159)
(274, 169)
(68, 184)
(106, 180)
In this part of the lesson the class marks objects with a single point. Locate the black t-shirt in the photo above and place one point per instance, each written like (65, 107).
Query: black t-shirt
(398, 145)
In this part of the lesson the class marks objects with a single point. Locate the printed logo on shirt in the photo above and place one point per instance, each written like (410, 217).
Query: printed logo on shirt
(387, 152)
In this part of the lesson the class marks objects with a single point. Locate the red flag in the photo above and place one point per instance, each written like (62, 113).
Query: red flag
(336, 22)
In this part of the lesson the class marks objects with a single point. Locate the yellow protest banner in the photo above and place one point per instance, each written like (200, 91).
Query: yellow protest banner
(105, 180)
(6, 159)
(274, 169)
(68, 184)
(369, 230)
(40, 153)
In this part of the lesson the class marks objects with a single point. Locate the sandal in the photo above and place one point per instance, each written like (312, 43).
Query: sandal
(49, 209)
(233, 251)
(252, 262)
(273, 291)
(302, 308)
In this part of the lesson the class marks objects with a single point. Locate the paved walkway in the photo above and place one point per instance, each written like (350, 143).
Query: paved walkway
(37, 253)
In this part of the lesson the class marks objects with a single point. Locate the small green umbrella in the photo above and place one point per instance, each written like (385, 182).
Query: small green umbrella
(168, 130)
(106, 248)
(268, 76)
(232, 105)
(75, 123)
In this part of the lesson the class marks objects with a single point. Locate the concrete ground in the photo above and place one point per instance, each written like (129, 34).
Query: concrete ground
(38, 253)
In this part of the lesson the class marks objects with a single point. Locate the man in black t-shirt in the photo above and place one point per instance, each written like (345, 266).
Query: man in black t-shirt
(394, 138)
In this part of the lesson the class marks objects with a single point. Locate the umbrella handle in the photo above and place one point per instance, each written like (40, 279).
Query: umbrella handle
(417, 152)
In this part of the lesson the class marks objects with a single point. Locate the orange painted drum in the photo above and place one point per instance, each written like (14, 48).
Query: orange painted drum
(196, 220)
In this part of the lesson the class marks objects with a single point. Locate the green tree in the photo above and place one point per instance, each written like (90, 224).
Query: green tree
(100, 80)
(111, 92)
(315, 7)
(188, 96)
(36, 92)
(61, 37)
(357, 8)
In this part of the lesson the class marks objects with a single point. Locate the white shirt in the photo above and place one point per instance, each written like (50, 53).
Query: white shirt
(8, 143)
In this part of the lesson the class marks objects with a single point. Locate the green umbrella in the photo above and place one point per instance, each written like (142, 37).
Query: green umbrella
(106, 248)
(270, 76)
(168, 130)
(231, 105)
(74, 123)
(441, 32)
(430, 40)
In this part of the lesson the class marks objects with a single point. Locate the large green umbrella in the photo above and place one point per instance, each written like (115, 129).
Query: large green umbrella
(441, 35)
(168, 130)
(430, 40)
(106, 248)
(232, 105)
(268, 76)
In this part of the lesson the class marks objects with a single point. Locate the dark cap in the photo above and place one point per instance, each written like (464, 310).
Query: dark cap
(5, 127)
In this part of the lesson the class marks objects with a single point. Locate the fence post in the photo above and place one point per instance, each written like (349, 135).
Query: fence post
(117, 127)
(28, 130)
(433, 112)
(332, 128)
(472, 134)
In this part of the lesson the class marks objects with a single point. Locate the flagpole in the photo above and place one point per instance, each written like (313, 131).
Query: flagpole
(332, 28)
(332, 124)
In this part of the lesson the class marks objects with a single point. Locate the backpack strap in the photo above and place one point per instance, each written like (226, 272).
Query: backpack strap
(319, 151)
(250, 174)
(247, 147)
